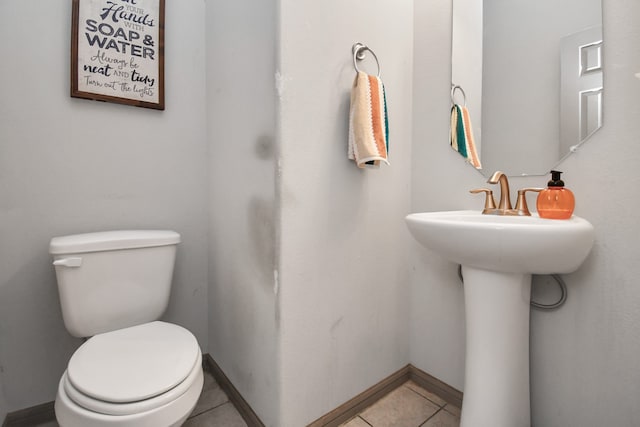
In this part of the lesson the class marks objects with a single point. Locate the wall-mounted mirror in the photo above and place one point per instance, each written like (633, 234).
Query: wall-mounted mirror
(531, 71)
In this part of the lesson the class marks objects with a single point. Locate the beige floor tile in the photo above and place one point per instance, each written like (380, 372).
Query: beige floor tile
(443, 419)
(432, 397)
(400, 408)
(224, 415)
(355, 422)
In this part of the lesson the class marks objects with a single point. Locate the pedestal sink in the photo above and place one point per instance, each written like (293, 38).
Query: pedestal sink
(498, 255)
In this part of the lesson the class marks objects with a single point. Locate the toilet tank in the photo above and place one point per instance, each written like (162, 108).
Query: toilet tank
(114, 279)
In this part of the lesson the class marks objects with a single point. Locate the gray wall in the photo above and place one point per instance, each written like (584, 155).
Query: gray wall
(3, 402)
(241, 129)
(344, 294)
(584, 364)
(301, 289)
(70, 166)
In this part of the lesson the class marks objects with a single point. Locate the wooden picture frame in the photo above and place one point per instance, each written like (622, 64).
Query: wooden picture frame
(117, 51)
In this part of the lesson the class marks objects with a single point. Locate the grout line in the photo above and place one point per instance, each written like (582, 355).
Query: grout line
(448, 411)
(426, 398)
(434, 414)
(366, 422)
(210, 409)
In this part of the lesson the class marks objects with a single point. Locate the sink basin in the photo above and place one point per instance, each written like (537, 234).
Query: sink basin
(498, 255)
(510, 244)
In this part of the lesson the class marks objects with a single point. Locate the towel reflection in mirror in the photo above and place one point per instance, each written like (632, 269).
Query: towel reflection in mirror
(461, 131)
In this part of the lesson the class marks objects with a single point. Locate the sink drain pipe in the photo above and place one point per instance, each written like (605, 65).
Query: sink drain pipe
(561, 284)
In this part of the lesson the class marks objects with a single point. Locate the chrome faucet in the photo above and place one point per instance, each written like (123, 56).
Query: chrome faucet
(504, 204)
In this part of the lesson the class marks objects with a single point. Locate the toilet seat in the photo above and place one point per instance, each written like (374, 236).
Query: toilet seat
(173, 414)
(132, 370)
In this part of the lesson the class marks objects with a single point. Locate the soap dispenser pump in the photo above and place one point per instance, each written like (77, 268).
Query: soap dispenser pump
(556, 202)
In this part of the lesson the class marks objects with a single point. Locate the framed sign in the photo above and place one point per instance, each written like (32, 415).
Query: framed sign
(117, 51)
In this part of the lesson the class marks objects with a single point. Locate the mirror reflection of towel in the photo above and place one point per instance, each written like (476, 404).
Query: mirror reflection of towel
(462, 135)
(368, 122)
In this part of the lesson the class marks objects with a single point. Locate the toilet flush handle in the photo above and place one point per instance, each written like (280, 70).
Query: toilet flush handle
(68, 262)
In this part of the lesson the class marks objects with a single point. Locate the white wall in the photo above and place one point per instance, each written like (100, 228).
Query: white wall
(241, 129)
(343, 282)
(439, 181)
(585, 357)
(302, 291)
(70, 165)
(584, 369)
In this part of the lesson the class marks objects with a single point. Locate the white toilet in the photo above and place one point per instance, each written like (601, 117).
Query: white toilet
(134, 370)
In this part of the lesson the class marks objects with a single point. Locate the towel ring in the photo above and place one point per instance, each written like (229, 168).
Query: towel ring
(358, 55)
(453, 94)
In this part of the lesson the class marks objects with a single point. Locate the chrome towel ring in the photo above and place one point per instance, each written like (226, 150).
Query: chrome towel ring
(453, 94)
(358, 50)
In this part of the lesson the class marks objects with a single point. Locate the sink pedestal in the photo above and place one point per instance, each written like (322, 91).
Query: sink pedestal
(496, 385)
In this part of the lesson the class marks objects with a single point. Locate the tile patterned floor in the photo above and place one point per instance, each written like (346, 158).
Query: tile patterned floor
(408, 406)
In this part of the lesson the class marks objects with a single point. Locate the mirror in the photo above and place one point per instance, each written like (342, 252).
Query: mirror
(531, 78)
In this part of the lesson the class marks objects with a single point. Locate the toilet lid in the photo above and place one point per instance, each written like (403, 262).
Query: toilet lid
(135, 363)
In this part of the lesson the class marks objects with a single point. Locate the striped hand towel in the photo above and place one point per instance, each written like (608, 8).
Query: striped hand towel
(368, 122)
(462, 135)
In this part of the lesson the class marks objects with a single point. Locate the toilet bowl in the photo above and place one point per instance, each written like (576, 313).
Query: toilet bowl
(148, 375)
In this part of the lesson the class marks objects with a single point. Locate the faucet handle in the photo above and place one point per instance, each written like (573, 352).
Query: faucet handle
(489, 203)
(521, 203)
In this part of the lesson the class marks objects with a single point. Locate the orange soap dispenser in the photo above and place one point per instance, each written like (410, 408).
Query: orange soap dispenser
(556, 202)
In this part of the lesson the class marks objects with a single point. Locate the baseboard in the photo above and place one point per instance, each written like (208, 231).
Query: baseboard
(29, 417)
(354, 406)
(245, 410)
(435, 386)
(365, 399)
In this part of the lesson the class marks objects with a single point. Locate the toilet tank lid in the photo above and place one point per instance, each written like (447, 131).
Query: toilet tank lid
(112, 240)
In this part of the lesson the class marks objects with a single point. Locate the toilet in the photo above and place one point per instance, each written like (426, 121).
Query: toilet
(133, 370)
